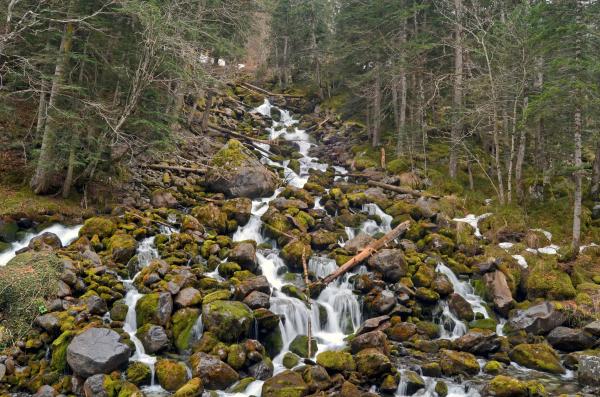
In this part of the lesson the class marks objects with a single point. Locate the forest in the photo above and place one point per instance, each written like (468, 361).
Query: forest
(289, 198)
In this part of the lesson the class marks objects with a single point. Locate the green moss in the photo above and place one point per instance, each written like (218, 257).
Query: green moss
(146, 308)
(336, 361)
(171, 374)
(236, 357)
(230, 156)
(492, 367)
(138, 373)
(102, 227)
(193, 388)
(293, 253)
(547, 281)
(397, 166)
(290, 360)
(484, 323)
(183, 324)
(539, 356)
(58, 361)
(299, 346)
(211, 216)
(505, 386)
(222, 294)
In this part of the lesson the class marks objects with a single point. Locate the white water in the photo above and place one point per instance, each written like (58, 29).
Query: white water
(67, 235)
(146, 252)
(464, 289)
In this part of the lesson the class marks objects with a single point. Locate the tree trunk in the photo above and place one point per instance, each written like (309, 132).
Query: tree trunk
(401, 122)
(595, 186)
(377, 108)
(457, 91)
(521, 154)
(578, 178)
(46, 165)
(68, 183)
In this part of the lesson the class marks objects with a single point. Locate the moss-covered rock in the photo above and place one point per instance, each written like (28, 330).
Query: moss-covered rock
(546, 281)
(227, 320)
(211, 217)
(236, 173)
(138, 373)
(183, 324)
(505, 386)
(456, 363)
(540, 356)
(371, 362)
(290, 360)
(122, 247)
(58, 361)
(492, 367)
(154, 308)
(285, 384)
(336, 361)
(239, 209)
(171, 374)
(299, 346)
(102, 227)
(193, 388)
(293, 252)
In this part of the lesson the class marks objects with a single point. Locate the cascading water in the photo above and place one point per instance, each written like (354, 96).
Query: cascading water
(146, 252)
(67, 235)
(464, 289)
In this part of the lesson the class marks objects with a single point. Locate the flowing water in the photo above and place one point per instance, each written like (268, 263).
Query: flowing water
(67, 235)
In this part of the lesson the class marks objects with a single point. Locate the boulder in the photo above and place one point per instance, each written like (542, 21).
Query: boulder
(569, 339)
(285, 384)
(593, 328)
(499, 291)
(538, 319)
(96, 305)
(261, 370)
(96, 386)
(155, 308)
(188, 297)
(234, 172)
(372, 363)
(336, 361)
(171, 374)
(505, 386)
(373, 339)
(390, 263)
(238, 209)
(460, 307)
(244, 254)
(299, 346)
(588, 370)
(45, 242)
(458, 363)
(479, 342)
(293, 252)
(215, 374)
(161, 198)
(358, 243)
(227, 320)
(401, 332)
(122, 247)
(322, 239)
(538, 356)
(102, 227)
(211, 216)
(193, 388)
(97, 351)
(413, 381)
(256, 300)
(153, 337)
(317, 378)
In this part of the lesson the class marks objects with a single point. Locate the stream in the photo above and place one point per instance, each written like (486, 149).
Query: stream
(342, 306)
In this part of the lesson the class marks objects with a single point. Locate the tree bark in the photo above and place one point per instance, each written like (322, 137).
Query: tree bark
(377, 108)
(457, 91)
(521, 154)
(401, 120)
(578, 180)
(595, 186)
(368, 251)
(41, 180)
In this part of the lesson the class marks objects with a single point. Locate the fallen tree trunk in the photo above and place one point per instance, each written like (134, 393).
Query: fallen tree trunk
(175, 168)
(400, 189)
(238, 135)
(367, 252)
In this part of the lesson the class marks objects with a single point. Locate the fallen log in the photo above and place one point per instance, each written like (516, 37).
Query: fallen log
(367, 252)
(238, 135)
(400, 189)
(265, 92)
(176, 168)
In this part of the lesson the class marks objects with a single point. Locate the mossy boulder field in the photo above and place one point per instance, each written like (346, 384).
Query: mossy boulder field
(291, 264)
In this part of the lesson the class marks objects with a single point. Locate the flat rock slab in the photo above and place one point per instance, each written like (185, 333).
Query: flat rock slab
(97, 351)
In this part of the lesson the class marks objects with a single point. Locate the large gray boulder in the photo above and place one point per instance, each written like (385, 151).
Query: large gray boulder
(390, 263)
(236, 173)
(570, 339)
(97, 351)
(538, 319)
(153, 337)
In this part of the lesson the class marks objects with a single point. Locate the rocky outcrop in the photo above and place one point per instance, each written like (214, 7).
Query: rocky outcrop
(538, 319)
(499, 291)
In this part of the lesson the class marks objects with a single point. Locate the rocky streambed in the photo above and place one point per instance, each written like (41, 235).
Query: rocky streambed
(212, 298)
